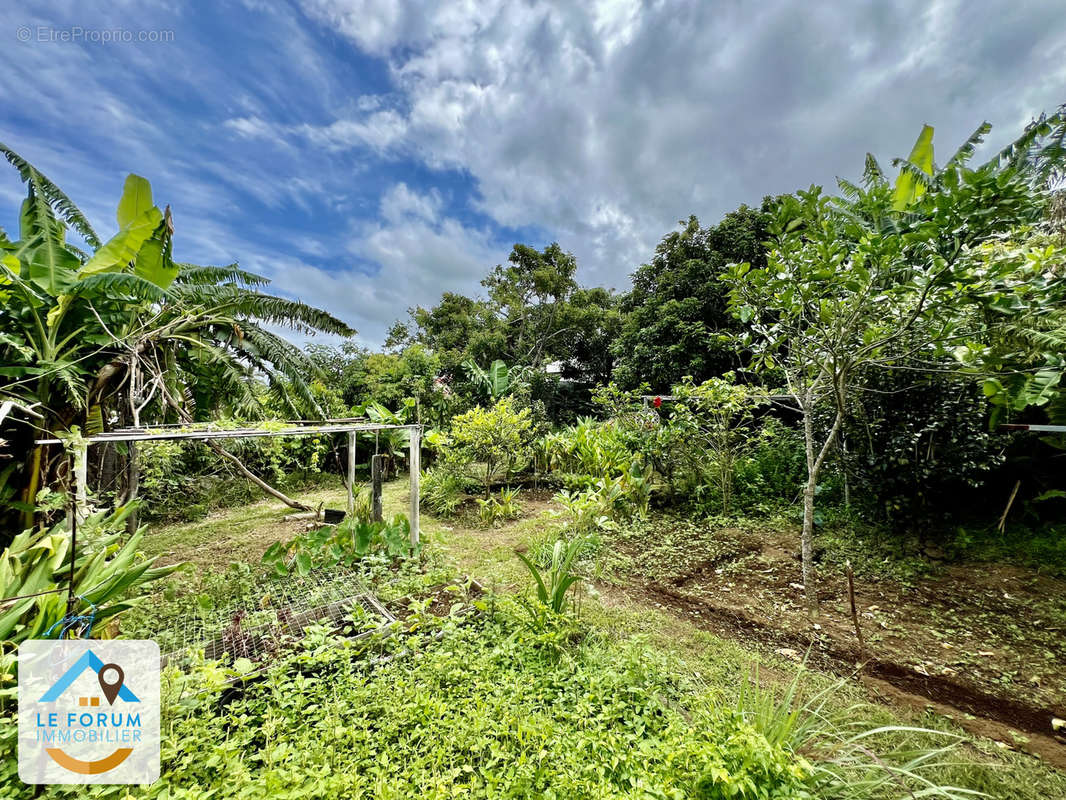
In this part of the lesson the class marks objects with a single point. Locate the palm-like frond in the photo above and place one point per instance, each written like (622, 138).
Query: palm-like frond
(112, 283)
(849, 189)
(194, 274)
(966, 150)
(1025, 147)
(1052, 159)
(239, 302)
(64, 207)
(284, 360)
(919, 175)
(282, 363)
(216, 374)
(872, 174)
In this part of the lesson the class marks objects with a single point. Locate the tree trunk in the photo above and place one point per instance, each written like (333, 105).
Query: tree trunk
(266, 487)
(807, 545)
(133, 485)
(814, 468)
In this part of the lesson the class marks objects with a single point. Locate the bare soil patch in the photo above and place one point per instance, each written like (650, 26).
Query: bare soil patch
(982, 643)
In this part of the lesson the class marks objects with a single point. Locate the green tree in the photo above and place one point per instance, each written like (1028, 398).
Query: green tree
(1020, 352)
(713, 421)
(859, 282)
(675, 319)
(535, 313)
(496, 440)
(456, 329)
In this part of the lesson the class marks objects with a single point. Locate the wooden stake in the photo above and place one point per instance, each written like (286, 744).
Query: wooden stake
(854, 611)
(81, 483)
(351, 474)
(133, 483)
(414, 463)
(375, 483)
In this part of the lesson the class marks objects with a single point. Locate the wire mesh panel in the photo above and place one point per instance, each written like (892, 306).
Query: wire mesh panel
(286, 609)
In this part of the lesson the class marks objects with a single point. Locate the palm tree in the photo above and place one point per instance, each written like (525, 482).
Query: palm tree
(122, 333)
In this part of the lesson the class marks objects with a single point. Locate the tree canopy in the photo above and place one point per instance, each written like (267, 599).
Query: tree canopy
(676, 320)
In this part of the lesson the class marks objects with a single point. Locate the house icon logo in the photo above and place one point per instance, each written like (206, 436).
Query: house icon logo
(88, 712)
(114, 690)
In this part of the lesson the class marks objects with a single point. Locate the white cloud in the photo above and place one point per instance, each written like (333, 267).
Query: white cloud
(400, 202)
(607, 122)
(600, 123)
(413, 254)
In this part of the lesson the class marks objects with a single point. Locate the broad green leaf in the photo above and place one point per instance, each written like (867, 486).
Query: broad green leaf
(907, 187)
(153, 263)
(136, 200)
(52, 267)
(123, 247)
(303, 563)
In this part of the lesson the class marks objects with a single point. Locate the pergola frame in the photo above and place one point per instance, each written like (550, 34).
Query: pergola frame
(188, 432)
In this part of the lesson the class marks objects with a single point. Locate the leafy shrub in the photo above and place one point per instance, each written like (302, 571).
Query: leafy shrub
(495, 440)
(592, 449)
(551, 585)
(597, 507)
(918, 447)
(773, 471)
(505, 507)
(109, 575)
(442, 490)
(589, 510)
(183, 481)
(346, 543)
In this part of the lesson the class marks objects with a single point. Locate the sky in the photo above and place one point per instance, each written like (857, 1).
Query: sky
(368, 155)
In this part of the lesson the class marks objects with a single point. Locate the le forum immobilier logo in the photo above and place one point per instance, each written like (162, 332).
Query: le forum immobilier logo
(88, 711)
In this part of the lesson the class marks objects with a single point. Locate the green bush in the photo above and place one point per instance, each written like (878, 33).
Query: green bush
(771, 475)
(590, 450)
(443, 489)
(497, 509)
(109, 574)
(495, 441)
(346, 543)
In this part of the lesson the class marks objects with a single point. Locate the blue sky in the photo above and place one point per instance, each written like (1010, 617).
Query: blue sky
(368, 155)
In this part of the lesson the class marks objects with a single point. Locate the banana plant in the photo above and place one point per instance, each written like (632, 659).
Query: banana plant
(493, 383)
(125, 328)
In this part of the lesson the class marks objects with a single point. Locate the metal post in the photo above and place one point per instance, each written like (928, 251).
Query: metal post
(351, 474)
(133, 483)
(81, 488)
(415, 464)
(375, 483)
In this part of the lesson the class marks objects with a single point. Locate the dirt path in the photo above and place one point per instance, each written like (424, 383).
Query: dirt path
(1010, 722)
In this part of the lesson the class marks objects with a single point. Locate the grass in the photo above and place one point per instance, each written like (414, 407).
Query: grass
(700, 669)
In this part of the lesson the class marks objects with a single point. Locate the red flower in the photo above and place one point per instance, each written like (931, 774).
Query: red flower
(658, 401)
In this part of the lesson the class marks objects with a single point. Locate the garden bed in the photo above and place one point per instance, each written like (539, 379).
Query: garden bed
(983, 642)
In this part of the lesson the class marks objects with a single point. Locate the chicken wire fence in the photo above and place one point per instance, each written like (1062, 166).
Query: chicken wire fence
(274, 619)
